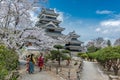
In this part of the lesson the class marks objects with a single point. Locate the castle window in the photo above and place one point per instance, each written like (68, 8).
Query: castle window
(74, 39)
(51, 30)
(50, 25)
(49, 17)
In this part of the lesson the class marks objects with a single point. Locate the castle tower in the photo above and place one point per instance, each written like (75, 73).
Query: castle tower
(72, 43)
(48, 21)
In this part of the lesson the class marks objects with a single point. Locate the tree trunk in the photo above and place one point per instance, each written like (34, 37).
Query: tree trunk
(68, 62)
(116, 69)
(59, 58)
(116, 66)
(109, 65)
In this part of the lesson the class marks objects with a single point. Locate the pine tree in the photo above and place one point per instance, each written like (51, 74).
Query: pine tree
(108, 42)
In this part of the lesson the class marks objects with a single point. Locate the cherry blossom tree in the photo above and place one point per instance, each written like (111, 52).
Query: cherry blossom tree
(39, 38)
(15, 15)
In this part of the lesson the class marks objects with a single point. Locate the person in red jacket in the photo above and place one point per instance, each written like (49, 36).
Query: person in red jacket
(41, 61)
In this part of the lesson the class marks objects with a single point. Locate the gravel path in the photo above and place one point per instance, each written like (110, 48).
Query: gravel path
(91, 71)
(43, 75)
(38, 76)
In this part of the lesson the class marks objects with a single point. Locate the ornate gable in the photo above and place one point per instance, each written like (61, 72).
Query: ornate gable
(51, 24)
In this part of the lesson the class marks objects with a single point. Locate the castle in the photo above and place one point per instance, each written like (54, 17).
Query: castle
(51, 26)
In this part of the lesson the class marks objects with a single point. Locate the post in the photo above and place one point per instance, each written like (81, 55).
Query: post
(61, 69)
(50, 67)
(78, 76)
(69, 74)
(80, 67)
(56, 70)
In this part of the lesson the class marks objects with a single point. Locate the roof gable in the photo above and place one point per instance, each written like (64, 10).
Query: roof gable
(51, 24)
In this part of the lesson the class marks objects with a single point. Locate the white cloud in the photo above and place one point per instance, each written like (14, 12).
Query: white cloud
(70, 25)
(98, 30)
(104, 12)
(68, 22)
(105, 31)
(111, 23)
(61, 16)
(109, 27)
(33, 16)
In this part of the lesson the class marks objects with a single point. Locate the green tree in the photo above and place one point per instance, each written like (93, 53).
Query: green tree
(108, 42)
(59, 54)
(108, 57)
(79, 54)
(8, 61)
(66, 56)
(82, 55)
(92, 49)
(58, 47)
(92, 56)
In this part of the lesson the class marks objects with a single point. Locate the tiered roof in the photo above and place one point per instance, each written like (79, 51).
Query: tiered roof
(48, 21)
(72, 35)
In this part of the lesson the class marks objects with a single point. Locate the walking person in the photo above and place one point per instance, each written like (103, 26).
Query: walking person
(31, 64)
(41, 61)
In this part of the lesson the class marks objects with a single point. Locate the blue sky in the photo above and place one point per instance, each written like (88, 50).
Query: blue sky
(89, 18)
